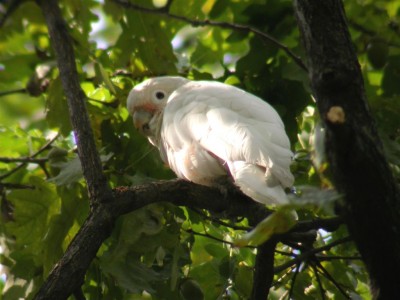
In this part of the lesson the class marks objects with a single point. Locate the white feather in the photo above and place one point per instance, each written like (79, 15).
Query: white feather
(210, 129)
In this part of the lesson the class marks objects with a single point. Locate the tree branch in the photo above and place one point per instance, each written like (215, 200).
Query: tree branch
(320, 286)
(354, 150)
(304, 256)
(14, 4)
(16, 186)
(263, 270)
(218, 221)
(318, 266)
(211, 237)
(17, 91)
(226, 25)
(23, 160)
(98, 188)
(43, 148)
(69, 272)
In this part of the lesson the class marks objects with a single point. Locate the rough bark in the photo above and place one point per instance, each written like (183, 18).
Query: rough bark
(68, 275)
(98, 188)
(354, 150)
(263, 270)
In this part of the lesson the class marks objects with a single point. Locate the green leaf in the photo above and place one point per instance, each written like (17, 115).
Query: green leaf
(57, 114)
(71, 170)
(33, 212)
(278, 222)
(143, 39)
(191, 290)
(208, 276)
(131, 274)
(15, 289)
(216, 250)
(391, 77)
(244, 280)
(102, 73)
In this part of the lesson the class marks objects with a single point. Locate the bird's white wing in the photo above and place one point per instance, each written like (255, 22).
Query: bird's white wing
(214, 120)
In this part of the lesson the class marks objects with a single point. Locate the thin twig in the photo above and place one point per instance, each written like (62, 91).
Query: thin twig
(325, 258)
(310, 253)
(11, 8)
(23, 160)
(190, 231)
(218, 221)
(321, 287)
(45, 147)
(330, 278)
(291, 254)
(16, 91)
(221, 24)
(16, 186)
(296, 272)
(370, 32)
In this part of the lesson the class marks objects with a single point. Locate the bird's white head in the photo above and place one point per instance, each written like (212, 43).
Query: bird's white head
(147, 100)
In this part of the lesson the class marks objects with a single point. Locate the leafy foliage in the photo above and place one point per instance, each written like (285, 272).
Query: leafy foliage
(162, 251)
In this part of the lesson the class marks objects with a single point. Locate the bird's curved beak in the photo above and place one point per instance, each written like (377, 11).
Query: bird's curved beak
(141, 120)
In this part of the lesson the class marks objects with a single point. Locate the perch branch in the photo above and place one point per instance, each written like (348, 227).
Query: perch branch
(68, 274)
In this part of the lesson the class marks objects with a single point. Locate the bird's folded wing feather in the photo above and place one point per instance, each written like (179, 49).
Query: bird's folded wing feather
(231, 124)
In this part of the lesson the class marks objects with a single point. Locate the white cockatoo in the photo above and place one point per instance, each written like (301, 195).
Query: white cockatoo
(206, 130)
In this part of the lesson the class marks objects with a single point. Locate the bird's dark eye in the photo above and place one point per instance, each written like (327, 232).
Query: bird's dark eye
(160, 95)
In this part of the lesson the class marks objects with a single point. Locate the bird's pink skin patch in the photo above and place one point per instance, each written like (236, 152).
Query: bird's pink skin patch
(147, 107)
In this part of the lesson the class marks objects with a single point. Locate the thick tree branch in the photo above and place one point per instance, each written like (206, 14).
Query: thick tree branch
(354, 150)
(99, 190)
(184, 193)
(68, 274)
(227, 25)
(263, 270)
